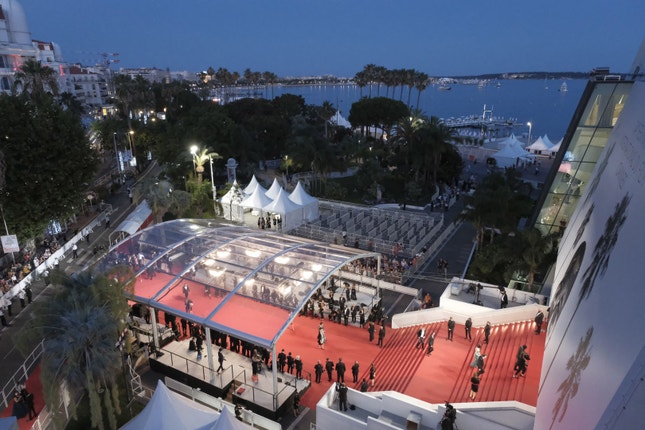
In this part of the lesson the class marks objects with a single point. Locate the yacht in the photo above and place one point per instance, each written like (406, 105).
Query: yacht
(563, 87)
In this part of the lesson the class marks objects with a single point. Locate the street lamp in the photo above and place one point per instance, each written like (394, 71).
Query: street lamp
(210, 158)
(133, 160)
(530, 128)
(193, 151)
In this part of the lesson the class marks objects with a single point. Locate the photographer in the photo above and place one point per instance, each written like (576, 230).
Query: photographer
(341, 388)
(449, 418)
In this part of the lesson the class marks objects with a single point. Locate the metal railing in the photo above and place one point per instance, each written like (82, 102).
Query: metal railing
(21, 375)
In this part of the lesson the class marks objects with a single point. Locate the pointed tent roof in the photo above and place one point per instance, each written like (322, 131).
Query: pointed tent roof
(257, 200)
(252, 186)
(340, 121)
(510, 140)
(556, 147)
(275, 188)
(227, 421)
(539, 145)
(281, 204)
(547, 141)
(167, 410)
(300, 196)
(228, 197)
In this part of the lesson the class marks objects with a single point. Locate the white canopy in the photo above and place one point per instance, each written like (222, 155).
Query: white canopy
(227, 421)
(510, 140)
(231, 203)
(340, 121)
(170, 411)
(290, 212)
(257, 199)
(512, 154)
(539, 145)
(252, 186)
(547, 141)
(555, 148)
(309, 204)
(275, 188)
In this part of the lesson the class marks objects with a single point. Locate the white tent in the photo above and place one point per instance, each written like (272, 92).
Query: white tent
(227, 421)
(275, 188)
(231, 203)
(547, 141)
(257, 200)
(309, 204)
(539, 146)
(555, 148)
(340, 121)
(509, 141)
(512, 155)
(290, 212)
(171, 411)
(252, 186)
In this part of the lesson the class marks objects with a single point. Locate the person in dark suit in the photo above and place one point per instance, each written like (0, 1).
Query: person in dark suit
(430, 344)
(381, 335)
(290, 363)
(480, 364)
(340, 371)
(298, 364)
(29, 403)
(421, 338)
(355, 368)
(342, 396)
(539, 319)
(318, 371)
(220, 360)
(370, 330)
(468, 325)
(522, 362)
(329, 367)
(282, 361)
(504, 300)
(487, 329)
(451, 328)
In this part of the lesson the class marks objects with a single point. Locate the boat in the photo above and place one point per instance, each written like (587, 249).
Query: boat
(444, 87)
(563, 87)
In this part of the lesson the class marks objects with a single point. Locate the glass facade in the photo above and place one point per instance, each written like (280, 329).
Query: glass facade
(578, 158)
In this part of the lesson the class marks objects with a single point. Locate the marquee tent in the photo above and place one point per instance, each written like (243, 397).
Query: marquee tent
(227, 421)
(340, 121)
(169, 410)
(539, 146)
(231, 203)
(252, 186)
(547, 141)
(509, 141)
(275, 188)
(555, 148)
(512, 154)
(257, 200)
(309, 204)
(290, 212)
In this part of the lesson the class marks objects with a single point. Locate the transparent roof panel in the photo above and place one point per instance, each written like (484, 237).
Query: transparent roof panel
(245, 282)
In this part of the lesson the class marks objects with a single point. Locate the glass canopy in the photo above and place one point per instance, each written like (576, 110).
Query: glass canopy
(244, 282)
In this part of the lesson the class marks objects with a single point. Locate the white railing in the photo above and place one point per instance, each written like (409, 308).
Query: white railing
(218, 404)
(21, 375)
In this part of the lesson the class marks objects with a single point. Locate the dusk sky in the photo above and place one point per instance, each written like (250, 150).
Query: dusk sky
(339, 37)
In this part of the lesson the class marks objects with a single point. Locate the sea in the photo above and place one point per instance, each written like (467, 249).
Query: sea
(540, 102)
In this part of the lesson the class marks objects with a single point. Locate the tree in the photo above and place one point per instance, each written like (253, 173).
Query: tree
(162, 198)
(36, 79)
(49, 163)
(200, 157)
(80, 326)
(537, 252)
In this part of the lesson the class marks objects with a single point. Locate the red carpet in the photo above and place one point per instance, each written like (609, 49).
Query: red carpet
(33, 386)
(444, 375)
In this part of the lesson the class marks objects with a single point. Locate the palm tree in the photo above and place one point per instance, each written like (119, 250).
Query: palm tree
(327, 111)
(420, 83)
(536, 250)
(360, 79)
(200, 158)
(36, 79)
(80, 326)
(162, 198)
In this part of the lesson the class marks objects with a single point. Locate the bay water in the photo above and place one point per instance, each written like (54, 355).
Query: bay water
(540, 102)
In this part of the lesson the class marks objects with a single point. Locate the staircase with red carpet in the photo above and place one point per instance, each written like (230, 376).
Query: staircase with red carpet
(497, 382)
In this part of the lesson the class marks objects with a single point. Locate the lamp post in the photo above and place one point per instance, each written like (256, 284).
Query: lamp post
(210, 158)
(530, 128)
(193, 151)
